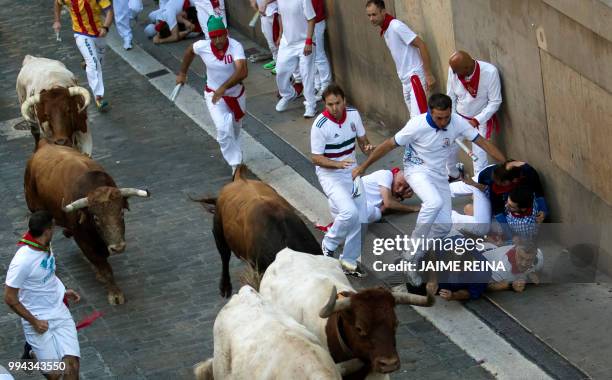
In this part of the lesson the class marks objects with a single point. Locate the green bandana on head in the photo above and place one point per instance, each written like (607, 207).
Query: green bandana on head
(216, 27)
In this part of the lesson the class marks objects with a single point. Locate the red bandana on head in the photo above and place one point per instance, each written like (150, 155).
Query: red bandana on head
(332, 118)
(385, 24)
(472, 85)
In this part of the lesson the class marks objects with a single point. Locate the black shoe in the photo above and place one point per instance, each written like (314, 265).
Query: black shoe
(27, 352)
(327, 252)
(352, 270)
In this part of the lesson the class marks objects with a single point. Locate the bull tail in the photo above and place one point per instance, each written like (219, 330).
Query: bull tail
(240, 173)
(204, 370)
(250, 276)
(209, 204)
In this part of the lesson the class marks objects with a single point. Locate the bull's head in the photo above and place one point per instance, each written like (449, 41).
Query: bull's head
(60, 112)
(105, 206)
(368, 321)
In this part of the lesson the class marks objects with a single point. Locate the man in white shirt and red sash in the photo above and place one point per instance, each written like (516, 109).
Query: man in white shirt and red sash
(225, 95)
(409, 53)
(296, 53)
(332, 140)
(428, 139)
(475, 89)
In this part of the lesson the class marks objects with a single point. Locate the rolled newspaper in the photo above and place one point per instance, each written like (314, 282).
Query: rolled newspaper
(466, 149)
(175, 92)
(253, 21)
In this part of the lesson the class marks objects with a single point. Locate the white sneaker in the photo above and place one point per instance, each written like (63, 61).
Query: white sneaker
(310, 112)
(327, 252)
(127, 45)
(282, 104)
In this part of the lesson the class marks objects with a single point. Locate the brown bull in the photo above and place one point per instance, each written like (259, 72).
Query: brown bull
(255, 222)
(83, 199)
(53, 103)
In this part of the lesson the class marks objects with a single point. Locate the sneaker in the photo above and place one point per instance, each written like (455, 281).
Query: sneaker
(273, 71)
(310, 112)
(27, 352)
(127, 45)
(102, 105)
(327, 252)
(270, 65)
(351, 269)
(283, 104)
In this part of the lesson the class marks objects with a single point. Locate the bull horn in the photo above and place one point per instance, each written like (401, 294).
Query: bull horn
(413, 299)
(334, 305)
(77, 90)
(76, 205)
(127, 192)
(27, 104)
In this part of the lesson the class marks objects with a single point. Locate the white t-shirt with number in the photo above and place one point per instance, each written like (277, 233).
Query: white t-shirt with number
(219, 71)
(407, 58)
(40, 291)
(294, 16)
(336, 141)
(271, 8)
(428, 147)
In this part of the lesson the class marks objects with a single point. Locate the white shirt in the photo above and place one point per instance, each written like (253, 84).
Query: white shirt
(427, 147)
(488, 97)
(40, 291)
(171, 9)
(336, 141)
(372, 183)
(408, 62)
(205, 10)
(294, 16)
(219, 71)
(271, 8)
(499, 255)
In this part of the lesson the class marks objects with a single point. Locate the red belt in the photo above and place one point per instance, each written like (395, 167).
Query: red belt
(232, 103)
(492, 124)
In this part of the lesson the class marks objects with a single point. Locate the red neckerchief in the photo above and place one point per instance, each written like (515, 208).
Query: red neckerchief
(385, 24)
(219, 53)
(511, 255)
(472, 85)
(215, 3)
(332, 118)
(28, 239)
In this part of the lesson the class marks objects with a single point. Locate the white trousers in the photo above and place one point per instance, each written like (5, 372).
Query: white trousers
(481, 163)
(338, 188)
(434, 219)
(124, 11)
(322, 70)
(58, 341)
(480, 222)
(267, 28)
(409, 98)
(290, 58)
(228, 130)
(92, 49)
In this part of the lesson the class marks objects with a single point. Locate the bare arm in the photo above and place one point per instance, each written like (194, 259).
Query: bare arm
(498, 286)
(174, 36)
(364, 145)
(429, 77)
(379, 152)
(11, 298)
(188, 57)
(392, 204)
(57, 9)
(324, 162)
(491, 149)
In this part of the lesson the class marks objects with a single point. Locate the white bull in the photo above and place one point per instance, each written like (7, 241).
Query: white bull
(40, 79)
(351, 324)
(254, 340)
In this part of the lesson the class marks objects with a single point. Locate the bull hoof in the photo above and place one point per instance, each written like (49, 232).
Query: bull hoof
(226, 291)
(116, 297)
